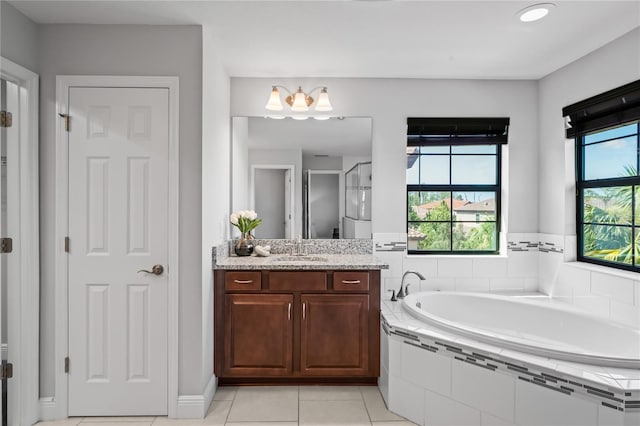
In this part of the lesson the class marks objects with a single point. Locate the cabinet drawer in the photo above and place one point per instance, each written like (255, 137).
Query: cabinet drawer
(243, 280)
(350, 281)
(299, 280)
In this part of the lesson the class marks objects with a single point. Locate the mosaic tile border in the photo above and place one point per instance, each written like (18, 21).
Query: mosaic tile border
(529, 243)
(617, 400)
(549, 248)
(541, 246)
(391, 246)
(522, 245)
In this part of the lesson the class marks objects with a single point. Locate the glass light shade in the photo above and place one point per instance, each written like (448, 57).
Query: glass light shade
(274, 103)
(534, 15)
(299, 101)
(323, 103)
(321, 117)
(535, 12)
(299, 117)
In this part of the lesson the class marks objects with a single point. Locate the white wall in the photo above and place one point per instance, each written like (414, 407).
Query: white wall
(129, 50)
(321, 163)
(18, 38)
(604, 291)
(390, 101)
(613, 65)
(215, 188)
(240, 164)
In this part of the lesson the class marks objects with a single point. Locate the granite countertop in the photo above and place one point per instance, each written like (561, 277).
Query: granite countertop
(285, 262)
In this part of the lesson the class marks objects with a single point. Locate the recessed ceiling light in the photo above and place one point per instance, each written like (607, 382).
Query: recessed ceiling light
(535, 12)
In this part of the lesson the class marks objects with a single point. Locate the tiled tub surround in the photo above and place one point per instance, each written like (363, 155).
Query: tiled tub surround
(516, 270)
(606, 292)
(531, 262)
(435, 377)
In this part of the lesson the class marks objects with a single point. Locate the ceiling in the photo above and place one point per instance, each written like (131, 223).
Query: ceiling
(336, 137)
(375, 38)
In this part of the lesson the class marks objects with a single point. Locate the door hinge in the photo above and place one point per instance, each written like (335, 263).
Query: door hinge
(67, 121)
(6, 370)
(67, 243)
(66, 365)
(6, 245)
(6, 119)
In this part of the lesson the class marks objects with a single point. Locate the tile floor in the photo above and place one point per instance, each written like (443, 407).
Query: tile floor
(274, 406)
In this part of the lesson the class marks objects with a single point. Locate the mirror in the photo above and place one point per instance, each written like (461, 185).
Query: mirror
(309, 178)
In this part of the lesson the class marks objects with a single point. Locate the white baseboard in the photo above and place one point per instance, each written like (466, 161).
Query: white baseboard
(209, 392)
(196, 406)
(189, 406)
(49, 409)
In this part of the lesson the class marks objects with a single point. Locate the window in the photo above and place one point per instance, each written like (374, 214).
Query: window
(453, 184)
(608, 196)
(606, 130)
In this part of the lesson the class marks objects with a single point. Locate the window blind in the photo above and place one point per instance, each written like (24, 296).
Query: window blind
(618, 106)
(457, 131)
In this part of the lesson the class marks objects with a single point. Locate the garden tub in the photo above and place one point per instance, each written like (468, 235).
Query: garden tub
(535, 325)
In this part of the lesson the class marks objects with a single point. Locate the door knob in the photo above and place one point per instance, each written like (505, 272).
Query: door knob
(156, 270)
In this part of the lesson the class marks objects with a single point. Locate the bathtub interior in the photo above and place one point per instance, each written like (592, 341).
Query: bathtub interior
(532, 322)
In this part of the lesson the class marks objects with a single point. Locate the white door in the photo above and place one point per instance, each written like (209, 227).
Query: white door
(118, 201)
(323, 201)
(10, 100)
(287, 204)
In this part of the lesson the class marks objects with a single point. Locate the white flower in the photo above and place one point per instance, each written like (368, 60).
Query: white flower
(251, 215)
(234, 218)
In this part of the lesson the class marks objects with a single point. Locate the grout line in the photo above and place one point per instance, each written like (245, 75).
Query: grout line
(366, 408)
(233, 400)
(298, 417)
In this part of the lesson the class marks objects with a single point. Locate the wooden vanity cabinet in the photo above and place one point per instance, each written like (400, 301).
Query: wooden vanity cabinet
(297, 326)
(334, 335)
(258, 334)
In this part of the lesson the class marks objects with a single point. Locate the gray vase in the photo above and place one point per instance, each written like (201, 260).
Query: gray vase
(244, 245)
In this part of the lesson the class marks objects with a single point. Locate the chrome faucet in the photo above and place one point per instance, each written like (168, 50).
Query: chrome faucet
(298, 247)
(404, 290)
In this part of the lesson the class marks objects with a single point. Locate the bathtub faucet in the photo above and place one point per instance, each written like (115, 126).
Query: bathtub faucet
(404, 290)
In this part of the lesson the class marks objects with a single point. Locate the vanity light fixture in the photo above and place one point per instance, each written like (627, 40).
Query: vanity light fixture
(535, 12)
(299, 101)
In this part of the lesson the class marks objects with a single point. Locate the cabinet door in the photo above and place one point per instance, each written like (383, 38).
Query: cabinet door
(258, 335)
(334, 335)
